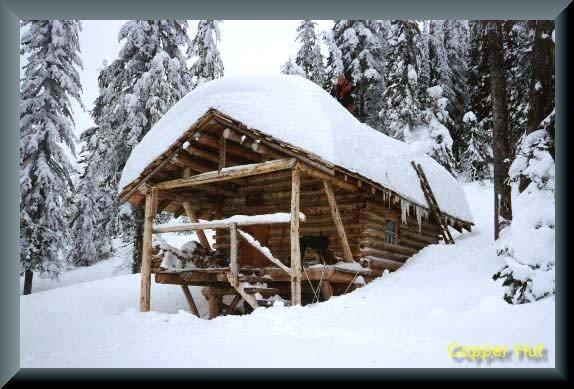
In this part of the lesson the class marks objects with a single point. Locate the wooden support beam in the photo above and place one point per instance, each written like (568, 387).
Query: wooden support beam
(250, 144)
(305, 169)
(190, 212)
(214, 305)
(189, 299)
(233, 265)
(326, 290)
(147, 250)
(271, 143)
(233, 304)
(232, 148)
(336, 216)
(222, 153)
(228, 174)
(295, 249)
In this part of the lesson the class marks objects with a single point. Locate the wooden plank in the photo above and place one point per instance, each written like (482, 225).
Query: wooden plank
(336, 216)
(248, 238)
(147, 253)
(294, 234)
(228, 174)
(233, 265)
(189, 299)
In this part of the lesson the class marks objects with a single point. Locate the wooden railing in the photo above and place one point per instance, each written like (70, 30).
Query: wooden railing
(234, 232)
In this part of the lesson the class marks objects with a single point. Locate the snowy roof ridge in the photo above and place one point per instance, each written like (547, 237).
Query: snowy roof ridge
(300, 113)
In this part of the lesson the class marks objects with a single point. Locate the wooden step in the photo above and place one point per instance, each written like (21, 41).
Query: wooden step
(269, 303)
(266, 292)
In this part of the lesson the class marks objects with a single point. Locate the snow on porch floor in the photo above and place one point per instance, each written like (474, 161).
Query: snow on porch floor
(405, 319)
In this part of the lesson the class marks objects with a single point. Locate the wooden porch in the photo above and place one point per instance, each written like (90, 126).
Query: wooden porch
(293, 283)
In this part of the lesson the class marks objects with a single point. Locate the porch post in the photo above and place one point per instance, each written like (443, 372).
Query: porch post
(295, 250)
(150, 211)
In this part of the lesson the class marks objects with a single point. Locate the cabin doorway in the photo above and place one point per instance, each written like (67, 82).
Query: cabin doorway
(250, 256)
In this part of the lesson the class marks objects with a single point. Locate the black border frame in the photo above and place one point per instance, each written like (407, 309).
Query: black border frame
(11, 11)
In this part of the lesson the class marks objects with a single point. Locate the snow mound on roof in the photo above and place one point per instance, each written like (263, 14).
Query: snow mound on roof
(297, 111)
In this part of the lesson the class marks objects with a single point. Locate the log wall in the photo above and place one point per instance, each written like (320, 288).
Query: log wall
(275, 194)
(363, 217)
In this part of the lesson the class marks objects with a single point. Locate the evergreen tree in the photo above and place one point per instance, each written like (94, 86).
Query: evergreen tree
(309, 56)
(136, 89)
(91, 240)
(402, 110)
(527, 246)
(50, 79)
(434, 133)
(456, 36)
(517, 48)
(478, 89)
(357, 51)
(290, 67)
(334, 60)
(500, 130)
(475, 159)
(208, 65)
(424, 75)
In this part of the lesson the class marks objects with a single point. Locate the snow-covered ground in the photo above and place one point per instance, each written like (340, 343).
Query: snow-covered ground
(408, 318)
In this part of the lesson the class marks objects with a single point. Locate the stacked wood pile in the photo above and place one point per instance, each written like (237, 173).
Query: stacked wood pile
(192, 255)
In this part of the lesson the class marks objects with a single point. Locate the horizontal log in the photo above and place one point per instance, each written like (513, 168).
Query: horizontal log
(250, 144)
(383, 263)
(231, 148)
(368, 251)
(404, 241)
(417, 236)
(309, 170)
(380, 244)
(225, 224)
(228, 174)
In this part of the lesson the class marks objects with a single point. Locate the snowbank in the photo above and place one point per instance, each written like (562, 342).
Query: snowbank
(297, 111)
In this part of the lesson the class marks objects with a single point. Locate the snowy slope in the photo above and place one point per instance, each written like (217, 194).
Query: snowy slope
(405, 319)
(297, 111)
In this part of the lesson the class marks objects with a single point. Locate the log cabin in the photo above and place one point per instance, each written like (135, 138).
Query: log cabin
(265, 161)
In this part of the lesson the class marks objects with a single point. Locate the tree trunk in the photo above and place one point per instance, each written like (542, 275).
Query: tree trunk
(500, 131)
(138, 240)
(28, 275)
(541, 94)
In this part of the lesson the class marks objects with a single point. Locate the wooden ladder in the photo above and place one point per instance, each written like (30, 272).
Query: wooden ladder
(433, 204)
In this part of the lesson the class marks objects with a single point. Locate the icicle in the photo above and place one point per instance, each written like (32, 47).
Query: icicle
(404, 210)
(419, 215)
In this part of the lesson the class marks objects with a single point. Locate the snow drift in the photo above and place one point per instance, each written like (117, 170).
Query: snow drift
(297, 111)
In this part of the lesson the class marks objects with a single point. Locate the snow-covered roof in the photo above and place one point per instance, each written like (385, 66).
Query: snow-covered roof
(299, 112)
